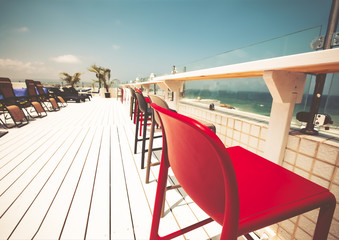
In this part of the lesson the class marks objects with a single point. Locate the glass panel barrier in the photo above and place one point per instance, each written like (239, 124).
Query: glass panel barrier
(298, 42)
(251, 94)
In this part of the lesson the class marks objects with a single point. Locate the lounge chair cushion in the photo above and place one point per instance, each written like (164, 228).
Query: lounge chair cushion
(16, 113)
(54, 103)
(61, 99)
(38, 107)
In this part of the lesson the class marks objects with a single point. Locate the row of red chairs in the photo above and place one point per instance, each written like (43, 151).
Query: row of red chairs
(226, 182)
(141, 114)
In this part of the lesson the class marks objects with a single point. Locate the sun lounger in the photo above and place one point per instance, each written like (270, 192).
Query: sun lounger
(71, 96)
(23, 102)
(47, 102)
(57, 99)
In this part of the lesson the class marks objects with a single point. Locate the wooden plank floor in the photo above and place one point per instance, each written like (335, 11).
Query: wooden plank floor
(73, 175)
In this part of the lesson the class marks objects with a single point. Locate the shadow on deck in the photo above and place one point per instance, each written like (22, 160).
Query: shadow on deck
(73, 175)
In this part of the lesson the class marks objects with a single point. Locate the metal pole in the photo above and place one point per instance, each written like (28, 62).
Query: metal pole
(320, 79)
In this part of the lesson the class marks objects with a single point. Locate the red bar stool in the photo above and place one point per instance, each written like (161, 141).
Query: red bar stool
(133, 105)
(155, 120)
(222, 182)
(148, 101)
(122, 95)
(144, 113)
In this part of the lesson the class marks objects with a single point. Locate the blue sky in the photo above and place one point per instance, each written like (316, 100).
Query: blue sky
(41, 38)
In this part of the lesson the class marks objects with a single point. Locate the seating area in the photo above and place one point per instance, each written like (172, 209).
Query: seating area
(48, 103)
(18, 107)
(188, 151)
(79, 177)
(17, 110)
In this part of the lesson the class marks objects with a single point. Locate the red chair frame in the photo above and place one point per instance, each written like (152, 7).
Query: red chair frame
(222, 182)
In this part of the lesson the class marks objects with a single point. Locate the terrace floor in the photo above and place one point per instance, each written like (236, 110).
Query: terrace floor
(73, 175)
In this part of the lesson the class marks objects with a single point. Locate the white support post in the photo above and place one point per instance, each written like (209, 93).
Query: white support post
(164, 87)
(175, 87)
(147, 88)
(286, 89)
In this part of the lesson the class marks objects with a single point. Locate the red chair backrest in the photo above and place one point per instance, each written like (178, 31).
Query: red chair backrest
(202, 166)
(142, 104)
(138, 90)
(161, 103)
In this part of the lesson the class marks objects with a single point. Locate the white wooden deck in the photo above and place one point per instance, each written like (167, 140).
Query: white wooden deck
(73, 175)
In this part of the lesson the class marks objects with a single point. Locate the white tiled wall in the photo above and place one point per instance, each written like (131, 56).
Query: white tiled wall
(231, 130)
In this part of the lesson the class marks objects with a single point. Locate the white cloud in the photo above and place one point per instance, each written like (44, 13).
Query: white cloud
(22, 30)
(13, 68)
(19, 65)
(116, 47)
(66, 59)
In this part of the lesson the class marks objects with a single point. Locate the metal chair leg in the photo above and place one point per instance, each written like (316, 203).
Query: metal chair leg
(131, 107)
(324, 219)
(144, 141)
(150, 146)
(136, 131)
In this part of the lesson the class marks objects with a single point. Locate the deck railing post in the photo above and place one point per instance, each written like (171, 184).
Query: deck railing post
(164, 87)
(175, 86)
(147, 87)
(286, 89)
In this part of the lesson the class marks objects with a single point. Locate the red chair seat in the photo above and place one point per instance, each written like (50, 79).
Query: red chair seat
(258, 180)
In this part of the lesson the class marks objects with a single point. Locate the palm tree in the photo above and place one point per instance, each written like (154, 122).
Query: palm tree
(103, 75)
(70, 79)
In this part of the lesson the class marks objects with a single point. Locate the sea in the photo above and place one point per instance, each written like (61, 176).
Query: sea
(261, 102)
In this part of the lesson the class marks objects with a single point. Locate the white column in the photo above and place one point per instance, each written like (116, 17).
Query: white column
(175, 87)
(147, 89)
(286, 89)
(164, 87)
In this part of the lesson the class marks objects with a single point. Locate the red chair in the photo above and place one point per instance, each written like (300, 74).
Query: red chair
(146, 98)
(222, 182)
(155, 120)
(121, 95)
(133, 105)
(148, 101)
(144, 113)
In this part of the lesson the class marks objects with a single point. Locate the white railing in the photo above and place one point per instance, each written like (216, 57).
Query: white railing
(284, 76)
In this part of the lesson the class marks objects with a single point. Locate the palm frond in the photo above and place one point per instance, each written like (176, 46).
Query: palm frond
(103, 75)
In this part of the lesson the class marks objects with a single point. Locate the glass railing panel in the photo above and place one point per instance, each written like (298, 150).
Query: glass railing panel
(294, 43)
(329, 102)
(251, 94)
